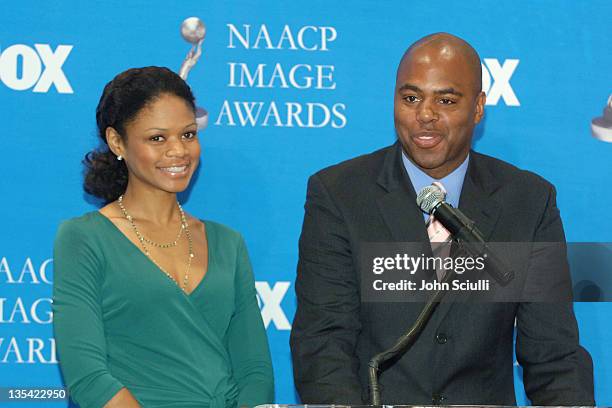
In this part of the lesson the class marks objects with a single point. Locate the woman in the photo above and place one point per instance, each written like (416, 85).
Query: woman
(153, 307)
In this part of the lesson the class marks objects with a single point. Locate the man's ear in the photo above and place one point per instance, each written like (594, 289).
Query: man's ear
(481, 99)
(115, 142)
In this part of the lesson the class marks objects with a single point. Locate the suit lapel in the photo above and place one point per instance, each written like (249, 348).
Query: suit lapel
(398, 206)
(476, 200)
(477, 204)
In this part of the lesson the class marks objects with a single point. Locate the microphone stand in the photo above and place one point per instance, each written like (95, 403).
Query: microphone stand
(406, 340)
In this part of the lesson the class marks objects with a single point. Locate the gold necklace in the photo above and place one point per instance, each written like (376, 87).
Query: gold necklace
(141, 237)
(168, 244)
(143, 240)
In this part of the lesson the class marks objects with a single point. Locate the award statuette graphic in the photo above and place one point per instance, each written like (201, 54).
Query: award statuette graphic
(602, 127)
(193, 31)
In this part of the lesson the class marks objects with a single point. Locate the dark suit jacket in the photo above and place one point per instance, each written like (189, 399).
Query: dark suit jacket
(464, 355)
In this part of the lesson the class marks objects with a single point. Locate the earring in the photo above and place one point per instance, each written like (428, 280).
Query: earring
(119, 157)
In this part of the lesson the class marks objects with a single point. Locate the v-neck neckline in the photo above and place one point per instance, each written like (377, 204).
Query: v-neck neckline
(154, 265)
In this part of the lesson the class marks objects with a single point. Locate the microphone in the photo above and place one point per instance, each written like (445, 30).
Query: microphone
(431, 200)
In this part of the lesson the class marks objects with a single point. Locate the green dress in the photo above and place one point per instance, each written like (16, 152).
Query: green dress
(121, 322)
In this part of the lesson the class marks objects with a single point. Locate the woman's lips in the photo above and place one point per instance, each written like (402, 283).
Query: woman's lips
(175, 171)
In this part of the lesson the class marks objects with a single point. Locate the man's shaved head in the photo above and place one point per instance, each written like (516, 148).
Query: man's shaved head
(446, 46)
(438, 101)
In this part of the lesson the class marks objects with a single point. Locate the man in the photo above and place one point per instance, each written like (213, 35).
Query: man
(464, 355)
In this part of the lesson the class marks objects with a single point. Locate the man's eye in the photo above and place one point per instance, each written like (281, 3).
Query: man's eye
(411, 98)
(446, 101)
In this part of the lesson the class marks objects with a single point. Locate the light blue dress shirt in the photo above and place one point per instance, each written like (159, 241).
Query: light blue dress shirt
(453, 182)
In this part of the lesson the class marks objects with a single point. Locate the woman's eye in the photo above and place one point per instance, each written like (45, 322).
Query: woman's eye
(190, 135)
(156, 138)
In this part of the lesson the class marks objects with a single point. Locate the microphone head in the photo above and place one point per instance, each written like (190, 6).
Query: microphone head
(429, 197)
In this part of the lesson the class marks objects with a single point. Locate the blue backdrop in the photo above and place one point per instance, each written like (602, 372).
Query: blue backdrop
(290, 88)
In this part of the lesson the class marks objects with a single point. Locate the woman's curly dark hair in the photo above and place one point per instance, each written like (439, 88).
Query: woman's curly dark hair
(122, 99)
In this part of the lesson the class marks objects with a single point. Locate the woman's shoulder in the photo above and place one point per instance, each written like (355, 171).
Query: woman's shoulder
(221, 232)
(85, 224)
(87, 220)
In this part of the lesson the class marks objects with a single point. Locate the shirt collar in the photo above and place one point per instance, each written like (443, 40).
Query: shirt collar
(453, 182)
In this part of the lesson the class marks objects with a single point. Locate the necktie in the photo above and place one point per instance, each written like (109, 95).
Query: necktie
(439, 236)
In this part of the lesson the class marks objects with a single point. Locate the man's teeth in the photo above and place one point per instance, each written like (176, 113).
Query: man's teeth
(174, 169)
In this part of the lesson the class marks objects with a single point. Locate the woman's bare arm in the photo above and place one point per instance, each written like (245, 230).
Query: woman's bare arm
(122, 399)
